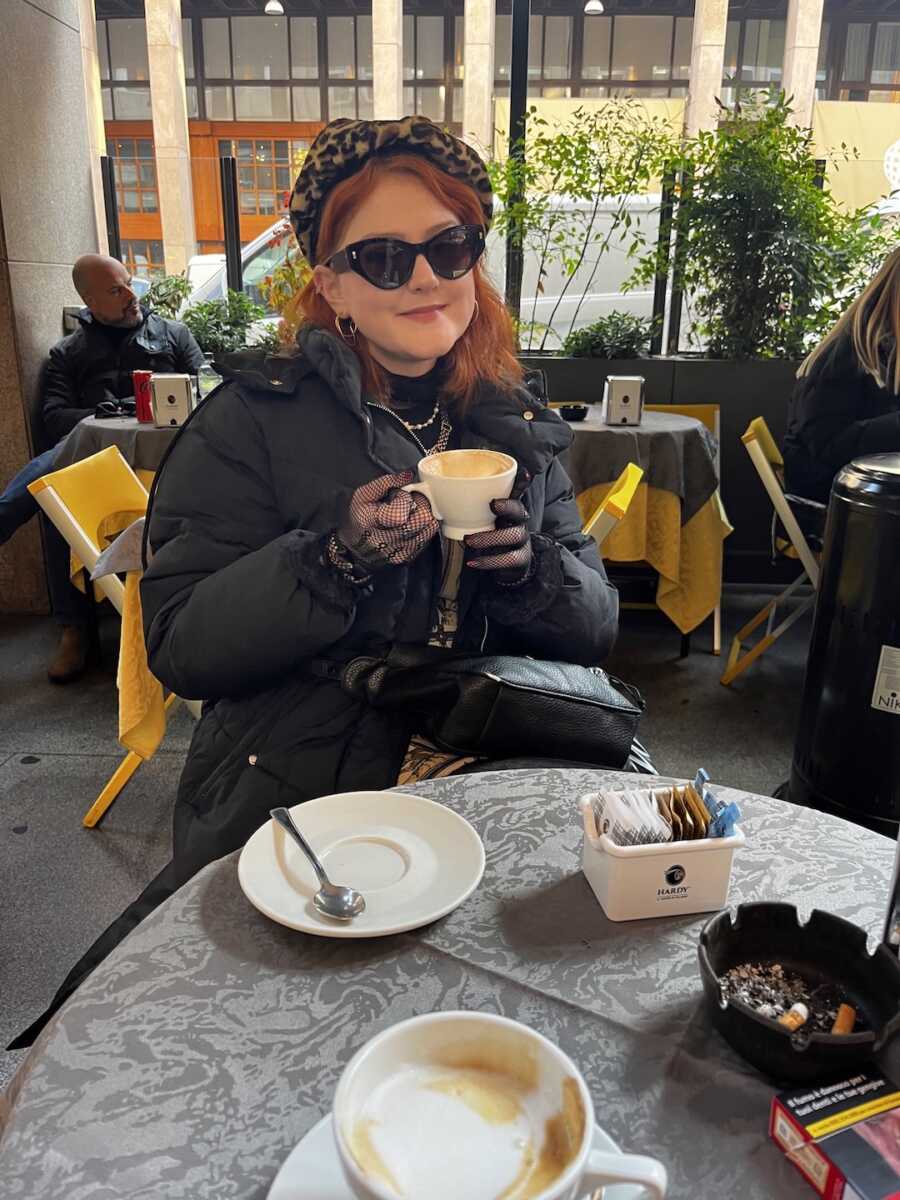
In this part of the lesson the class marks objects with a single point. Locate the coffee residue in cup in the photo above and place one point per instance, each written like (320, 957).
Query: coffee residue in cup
(468, 464)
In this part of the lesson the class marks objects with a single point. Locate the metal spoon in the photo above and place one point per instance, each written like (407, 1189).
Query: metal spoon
(332, 900)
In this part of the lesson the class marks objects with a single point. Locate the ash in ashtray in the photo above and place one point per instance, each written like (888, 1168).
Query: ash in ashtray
(773, 991)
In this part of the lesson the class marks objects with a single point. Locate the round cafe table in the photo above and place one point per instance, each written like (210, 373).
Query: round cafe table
(198, 1054)
(142, 445)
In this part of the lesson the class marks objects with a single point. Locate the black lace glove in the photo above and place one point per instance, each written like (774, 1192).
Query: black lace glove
(506, 549)
(385, 526)
(115, 408)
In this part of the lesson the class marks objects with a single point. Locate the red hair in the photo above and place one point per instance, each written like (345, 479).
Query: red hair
(486, 352)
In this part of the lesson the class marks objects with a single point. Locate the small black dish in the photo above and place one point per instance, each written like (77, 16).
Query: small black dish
(574, 412)
(826, 950)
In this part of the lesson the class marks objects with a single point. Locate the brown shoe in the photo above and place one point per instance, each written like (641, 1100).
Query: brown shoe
(71, 657)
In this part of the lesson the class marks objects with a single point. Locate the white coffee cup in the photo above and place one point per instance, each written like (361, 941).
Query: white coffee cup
(460, 485)
(467, 1104)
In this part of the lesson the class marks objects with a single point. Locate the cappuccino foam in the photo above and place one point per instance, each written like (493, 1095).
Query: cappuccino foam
(468, 464)
(447, 1133)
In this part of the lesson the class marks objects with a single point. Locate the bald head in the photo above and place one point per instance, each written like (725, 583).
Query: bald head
(104, 285)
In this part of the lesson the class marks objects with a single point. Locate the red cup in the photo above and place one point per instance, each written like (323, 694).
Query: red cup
(143, 405)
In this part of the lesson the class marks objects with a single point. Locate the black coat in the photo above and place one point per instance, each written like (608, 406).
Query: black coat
(836, 414)
(95, 363)
(237, 601)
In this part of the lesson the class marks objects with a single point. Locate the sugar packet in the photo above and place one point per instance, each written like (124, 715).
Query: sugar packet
(723, 816)
(629, 818)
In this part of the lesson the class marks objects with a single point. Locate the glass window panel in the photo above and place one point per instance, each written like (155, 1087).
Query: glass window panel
(595, 51)
(103, 49)
(245, 151)
(283, 177)
(856, 94)
(822, 65)
(225, 148)
(681, 62)
(267, 203)
(366, 99)
(457, 113)
(886, 61)
(304, 48)
(630, 89)
(265, 177)
(132, 104)
(151, 202)
(430, 103)
(409, 48)
(262, 103)
(130, 202)
(127, 173)
(409, 100)
(429, 47)
(216, 52)
(535, 46)
(502, 46)
(107, 104)
(341, 58)
(187, 45)
(193, 101)
(148, 174)
(884, 97)
(307, 105)
(857, 52)
(259, 46)
(246, 177)
(557, 47)
(595, 93)
(556, 93)
(128, 50)
(763, 50)
(732, 38)
(143, 148)
(218, 103)
(641, 47)
(280, 152)
(247, 202)
(263, 150)
(341, 100)
(459, 42)
(364, 47)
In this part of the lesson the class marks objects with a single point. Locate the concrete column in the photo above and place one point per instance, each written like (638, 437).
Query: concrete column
(801, 56)
(96, 129)
(707, 64)
(387, 59)
(170, 132)
(478, 75)
(46, 221)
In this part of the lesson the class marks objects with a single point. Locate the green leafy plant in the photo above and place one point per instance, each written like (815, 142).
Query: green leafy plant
(567, 200)
(222, 326)
(166, 295)
(617, 335)
(766, 257)
(281, 291)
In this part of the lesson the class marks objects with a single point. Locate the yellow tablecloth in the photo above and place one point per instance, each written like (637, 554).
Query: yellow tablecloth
(687, 558)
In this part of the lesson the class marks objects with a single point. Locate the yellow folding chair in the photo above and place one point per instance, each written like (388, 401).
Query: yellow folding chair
(770, 466)
(615, 504)
(87, 501)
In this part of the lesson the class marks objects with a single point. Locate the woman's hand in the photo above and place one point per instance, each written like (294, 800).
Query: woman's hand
(506, 549)
(385, 526)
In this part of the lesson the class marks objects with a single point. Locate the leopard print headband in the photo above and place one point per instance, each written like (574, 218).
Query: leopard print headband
(343, 147)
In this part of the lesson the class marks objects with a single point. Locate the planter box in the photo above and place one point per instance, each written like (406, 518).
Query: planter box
(743, 390)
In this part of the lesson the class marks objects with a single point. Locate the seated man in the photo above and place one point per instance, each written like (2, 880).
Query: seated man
(90, 366)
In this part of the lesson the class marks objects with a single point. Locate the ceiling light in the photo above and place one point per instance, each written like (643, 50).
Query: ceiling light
(274, 8)
(593, 8)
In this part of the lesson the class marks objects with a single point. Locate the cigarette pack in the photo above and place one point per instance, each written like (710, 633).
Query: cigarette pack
(844, 1137)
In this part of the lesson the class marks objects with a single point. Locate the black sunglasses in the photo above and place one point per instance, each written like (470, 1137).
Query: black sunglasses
(388, 263)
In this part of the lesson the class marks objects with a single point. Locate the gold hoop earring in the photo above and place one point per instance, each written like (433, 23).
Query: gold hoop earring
(474, 316)
(350, 337)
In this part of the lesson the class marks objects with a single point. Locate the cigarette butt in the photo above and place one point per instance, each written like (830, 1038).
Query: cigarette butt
(845, 1019)
(797, 1015)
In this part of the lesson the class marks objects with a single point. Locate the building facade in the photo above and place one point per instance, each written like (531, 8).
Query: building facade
(259, 87)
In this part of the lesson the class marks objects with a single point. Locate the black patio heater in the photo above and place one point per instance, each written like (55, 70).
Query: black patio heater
(847, 752)
(518, 99)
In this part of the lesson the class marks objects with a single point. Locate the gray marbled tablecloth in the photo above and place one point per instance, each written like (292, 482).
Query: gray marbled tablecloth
(142, 445)
(211, 1040)
(677, 453)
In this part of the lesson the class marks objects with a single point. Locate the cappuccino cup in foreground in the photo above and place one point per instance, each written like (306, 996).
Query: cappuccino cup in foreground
(460, 485)
(452, 1105)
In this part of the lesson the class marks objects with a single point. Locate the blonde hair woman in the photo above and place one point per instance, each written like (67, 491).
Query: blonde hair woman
(847, 398)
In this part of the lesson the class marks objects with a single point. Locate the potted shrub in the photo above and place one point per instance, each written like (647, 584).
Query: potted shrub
(222, 326)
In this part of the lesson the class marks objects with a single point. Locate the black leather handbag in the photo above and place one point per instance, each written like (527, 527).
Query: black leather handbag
(501, 706)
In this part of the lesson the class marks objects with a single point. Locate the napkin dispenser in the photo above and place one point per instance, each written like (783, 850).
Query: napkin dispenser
(170, 399)
(623, 399)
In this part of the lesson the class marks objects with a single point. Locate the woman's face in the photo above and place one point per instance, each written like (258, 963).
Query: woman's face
(409, 328)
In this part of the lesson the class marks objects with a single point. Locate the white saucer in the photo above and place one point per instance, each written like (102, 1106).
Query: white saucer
(414, 860)
(312, 1170)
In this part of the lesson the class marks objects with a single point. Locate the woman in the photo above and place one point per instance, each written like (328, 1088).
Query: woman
(847, 398)
(280, 536)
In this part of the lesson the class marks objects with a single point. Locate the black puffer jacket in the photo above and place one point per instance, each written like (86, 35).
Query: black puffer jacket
(237, 600)
(836, 413)
(95, 363)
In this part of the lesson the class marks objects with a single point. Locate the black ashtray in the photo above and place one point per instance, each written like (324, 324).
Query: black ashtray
(574, 412)
(828, 952)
